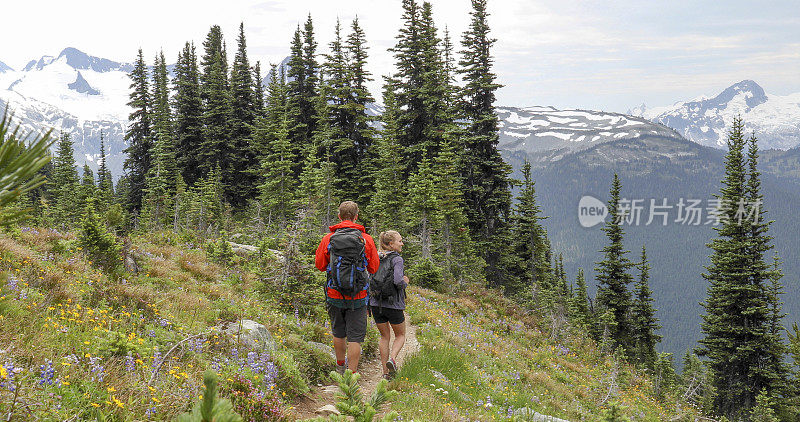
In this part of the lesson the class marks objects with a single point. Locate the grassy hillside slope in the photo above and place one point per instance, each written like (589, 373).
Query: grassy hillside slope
(78, 344)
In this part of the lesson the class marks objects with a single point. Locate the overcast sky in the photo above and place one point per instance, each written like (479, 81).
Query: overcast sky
(605, 55)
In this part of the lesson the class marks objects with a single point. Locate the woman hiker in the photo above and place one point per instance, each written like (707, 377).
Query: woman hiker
(388, 299)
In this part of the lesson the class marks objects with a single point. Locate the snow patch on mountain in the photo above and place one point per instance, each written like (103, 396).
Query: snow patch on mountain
(550, 133)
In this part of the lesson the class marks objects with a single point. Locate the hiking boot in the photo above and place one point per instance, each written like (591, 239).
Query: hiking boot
(391, 365)
(387, 377)
(340, 369)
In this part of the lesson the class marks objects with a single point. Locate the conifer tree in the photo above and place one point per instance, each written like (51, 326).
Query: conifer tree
(612, 275)
(258, 91)
(419, 86)
(532, 268)
(580, 311)
(764, 410)
(139, 134)
(105, 183)
(485, 174)
(363, 133)
(301, 95)
(277, 191)
(564, 295)
(87, 188)
(210, 200)
(744, 355)
(455, 245)
(161, 177)
(387, 203)
(341, 117)
(242, 183)
(422, 207)
(163, 155)
(767, 276)
(65, 209)
(435, 85)
(188, 115)
(310, 64)
(216, 148)
(644, 323)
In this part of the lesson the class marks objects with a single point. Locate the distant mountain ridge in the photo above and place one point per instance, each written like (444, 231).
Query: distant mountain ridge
(76, 93)
(774, 119)
(545, 134)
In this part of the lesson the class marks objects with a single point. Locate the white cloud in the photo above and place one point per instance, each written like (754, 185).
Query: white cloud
(569, 52)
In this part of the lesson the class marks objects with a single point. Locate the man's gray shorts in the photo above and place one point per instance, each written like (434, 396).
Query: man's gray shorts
(350, 323)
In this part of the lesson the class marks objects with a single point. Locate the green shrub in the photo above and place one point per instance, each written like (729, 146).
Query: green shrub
(61, 246)
(313, 362)
(315, 332)
(220, 251)
(98, 244)
(119, 344)
(426, 274)
(115, 218)
(290, 379)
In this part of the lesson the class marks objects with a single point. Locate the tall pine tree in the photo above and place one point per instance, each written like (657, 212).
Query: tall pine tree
(532, 274)
(216, 148)
(581, 312)
(387, 203)
(485, 174)
(188, 115)
(65, 210)
(644, 323)
(744, 355)
(105, 183)
(613, 277)
(161, 177)
(139, 134)
(419, 87)
(242, 183)
(363, 133)
(302, 92)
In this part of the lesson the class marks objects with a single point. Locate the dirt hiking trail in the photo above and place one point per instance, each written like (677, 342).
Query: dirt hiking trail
(371, 373)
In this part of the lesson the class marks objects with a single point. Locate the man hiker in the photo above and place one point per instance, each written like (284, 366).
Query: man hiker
(347, 253)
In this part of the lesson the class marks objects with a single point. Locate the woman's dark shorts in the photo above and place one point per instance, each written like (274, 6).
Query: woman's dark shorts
(393, 316)
(347, 322)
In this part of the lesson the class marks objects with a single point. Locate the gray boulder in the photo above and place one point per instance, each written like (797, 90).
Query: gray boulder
(241, 249)
(328, 410)
(249, 333)
(244, 250)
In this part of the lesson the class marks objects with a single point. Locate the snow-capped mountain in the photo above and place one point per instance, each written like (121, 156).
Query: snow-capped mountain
(774, 119)
(545, 134)
(75, 93)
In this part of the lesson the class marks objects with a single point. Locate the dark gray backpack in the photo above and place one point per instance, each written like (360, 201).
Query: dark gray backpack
(382, 286)
(347, 269)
